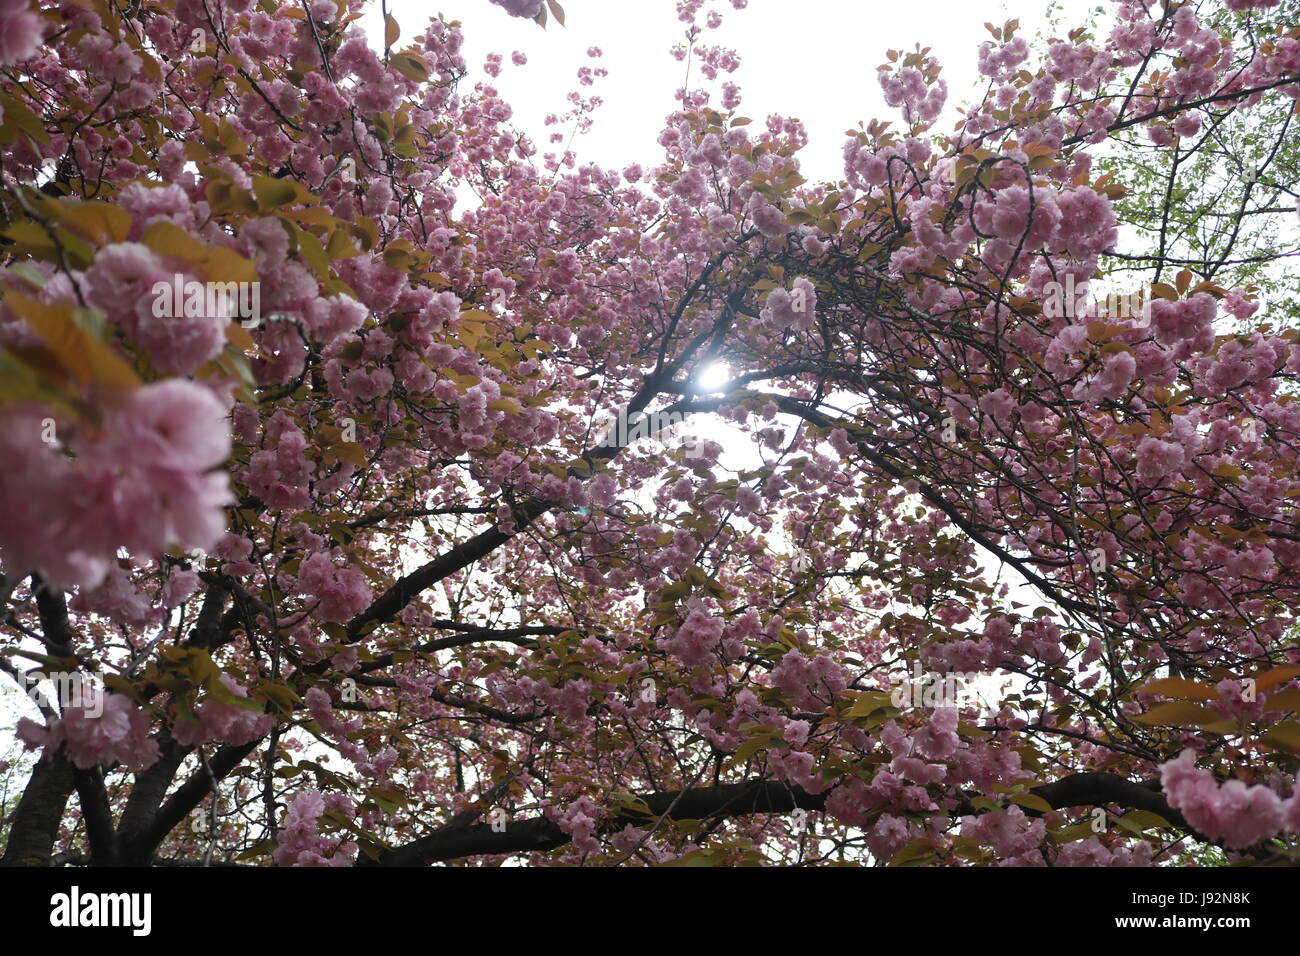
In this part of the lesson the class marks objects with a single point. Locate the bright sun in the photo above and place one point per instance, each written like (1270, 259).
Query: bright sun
(713, 377)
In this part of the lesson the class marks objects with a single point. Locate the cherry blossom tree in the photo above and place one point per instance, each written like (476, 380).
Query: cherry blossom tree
(310, 362)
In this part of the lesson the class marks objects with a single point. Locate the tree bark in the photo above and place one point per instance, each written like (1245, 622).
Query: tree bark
(39, 812)
(539, 834)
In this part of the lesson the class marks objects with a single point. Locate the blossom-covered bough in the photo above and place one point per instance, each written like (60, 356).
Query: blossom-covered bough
(340, 538)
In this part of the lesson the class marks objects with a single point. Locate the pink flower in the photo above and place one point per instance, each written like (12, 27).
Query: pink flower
(1010, 213)
(179, 587)
(35, 475)
(1159, 459)
(696, 641)
(579, 820)
(123, 276)
(1238, 814)
(157, 202)
(144, 484)
(1187, 125)
(1010, 832)
(890, 834)
(161, 311)
(219, 720)
(265, 240)
(998, 405)
(1117, 373)
(165, 313)
(21, 31)
(119, 734)
(150, 478)
(329, 319)
(340, 592)
(169, 424)
(938, 739)
(280, 475)
(117, 599)
(1087, 224)
(299, 843)
(794, 309)
(180, 342)
(768, 219)
(1190, 321)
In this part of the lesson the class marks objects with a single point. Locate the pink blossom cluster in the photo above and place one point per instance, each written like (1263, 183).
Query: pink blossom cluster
(280, 475)
(298, 842)
(221, 721)
(1238, 814)
(21, 30)
(579, 818)
(338, 592)
(118, 599)
(1009, 832)
(795, 309)
(907, 88)
(122, 281)
(144, 482)
(696, 642)
(119, 734)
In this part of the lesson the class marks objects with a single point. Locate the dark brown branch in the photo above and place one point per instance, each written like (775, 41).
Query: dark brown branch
(539, 834)
(181, 803)
(36, 820)
(98, 816)
(149, 790)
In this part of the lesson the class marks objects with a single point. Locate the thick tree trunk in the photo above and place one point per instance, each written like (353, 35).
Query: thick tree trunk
(36, 821)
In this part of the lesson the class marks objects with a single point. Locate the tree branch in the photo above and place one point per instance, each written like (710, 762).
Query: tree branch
(539, 834)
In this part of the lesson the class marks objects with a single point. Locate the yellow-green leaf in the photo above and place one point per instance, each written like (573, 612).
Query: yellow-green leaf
(83, 355)
(1180, 713)
(1033, 801)
(272, 192)
(1286, 734)
(1277, 675)
(99, 222)
(1181, 688)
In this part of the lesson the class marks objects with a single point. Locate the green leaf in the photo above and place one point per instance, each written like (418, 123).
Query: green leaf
(313, 253)
(1285, 734)
(99, 222)
(1181, 688)
(1032, 801)
(411, 67)
(1277, 675)
(273, 192)
(705, 857)
(18, 116)
(868, 703)
(751, 747)
(1138, 821)
(1284, 700)
(676, 591)
(83, 355)
(915, 853)
(1179, 713)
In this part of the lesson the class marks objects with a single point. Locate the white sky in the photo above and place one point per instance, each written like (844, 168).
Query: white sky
(813, 59)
